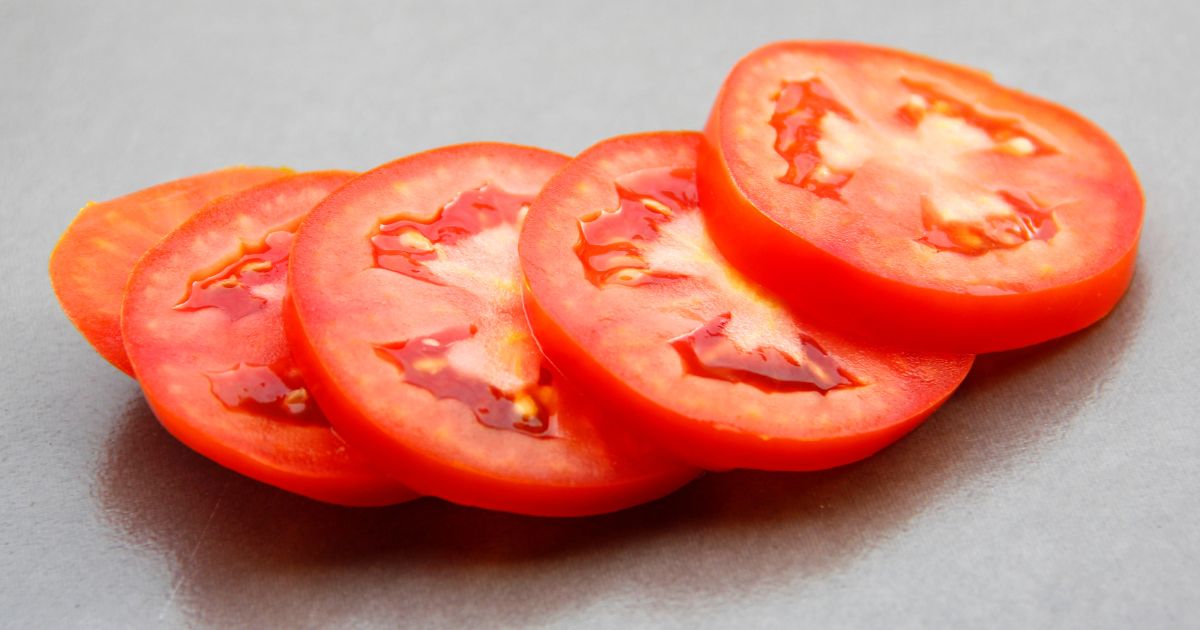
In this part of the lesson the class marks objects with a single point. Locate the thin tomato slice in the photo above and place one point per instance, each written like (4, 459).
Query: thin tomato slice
(406, 317)
(204, 332)
(910, 199)
(91, 263)
(628, 295)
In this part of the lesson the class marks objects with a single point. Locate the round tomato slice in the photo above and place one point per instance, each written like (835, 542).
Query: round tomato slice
(627, 294)
(91, 263)
(906, 198)
(406, 315)
(203, 330)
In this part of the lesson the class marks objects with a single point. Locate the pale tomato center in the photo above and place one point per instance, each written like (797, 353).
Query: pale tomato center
(825, 145)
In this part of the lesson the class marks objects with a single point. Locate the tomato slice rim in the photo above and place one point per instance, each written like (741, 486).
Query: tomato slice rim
(1008, 318)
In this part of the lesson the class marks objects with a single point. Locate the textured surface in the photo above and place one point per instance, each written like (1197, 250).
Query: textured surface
(1057, 489)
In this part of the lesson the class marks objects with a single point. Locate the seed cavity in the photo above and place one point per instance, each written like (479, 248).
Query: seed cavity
(709, 352)
(254, 279)
(406, 245)
(612, 243)
(530, 410)
(274, 390)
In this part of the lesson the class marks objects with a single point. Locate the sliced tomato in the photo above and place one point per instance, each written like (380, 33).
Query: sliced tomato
(627, 294)
(204, 332)
(91, 263)
(406, 318)
(910, 199)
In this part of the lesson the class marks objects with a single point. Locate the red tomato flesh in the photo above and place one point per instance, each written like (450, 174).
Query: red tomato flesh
(204, 332)
(405, 313)
(849, 177)
(630, 298)
(91, 263)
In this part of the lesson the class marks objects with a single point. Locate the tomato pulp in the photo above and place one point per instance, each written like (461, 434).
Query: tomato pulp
(203, 329)
(93, 258)
(629, 297)
(405, 312)
(907, 199)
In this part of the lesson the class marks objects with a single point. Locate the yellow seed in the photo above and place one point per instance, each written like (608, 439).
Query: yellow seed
(629, 276)
(429, 365)
(656, 206)
(525, 405)
(258, 266)
(412, 239)
(821, 173)
(1017, 145)
(296, 400)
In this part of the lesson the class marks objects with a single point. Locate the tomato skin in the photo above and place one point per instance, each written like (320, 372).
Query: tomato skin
(565, 312)
(92, 260)
(719, 449)
(915, 314)
(914, 317)
(427, 441)
(177, 351)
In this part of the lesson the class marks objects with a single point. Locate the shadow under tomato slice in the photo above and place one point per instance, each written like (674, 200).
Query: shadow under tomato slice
(204, 331)
(406, 315)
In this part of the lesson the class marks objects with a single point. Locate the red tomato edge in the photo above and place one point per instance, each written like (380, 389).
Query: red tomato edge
(917, 317)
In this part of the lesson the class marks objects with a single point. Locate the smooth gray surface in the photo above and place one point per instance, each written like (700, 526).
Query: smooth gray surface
(1057, 489)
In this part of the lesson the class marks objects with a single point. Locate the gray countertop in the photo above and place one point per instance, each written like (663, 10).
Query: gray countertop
(1058, 488)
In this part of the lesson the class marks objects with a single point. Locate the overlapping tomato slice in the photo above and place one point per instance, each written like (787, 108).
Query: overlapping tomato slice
(920, 201)
(406, 318)
(628, 295)
(93, 258)
(203, 329)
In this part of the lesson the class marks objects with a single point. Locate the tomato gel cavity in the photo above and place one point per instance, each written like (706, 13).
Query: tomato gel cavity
(629, 296)
(406, 314)
(980, 217)
(202, 321)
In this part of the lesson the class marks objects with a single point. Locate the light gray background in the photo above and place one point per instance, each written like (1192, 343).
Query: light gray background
(1057, 489)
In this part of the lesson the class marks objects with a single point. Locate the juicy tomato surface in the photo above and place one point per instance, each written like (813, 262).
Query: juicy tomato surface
(405, 312)
(628, 295)
(204, 332)
(91, 263)
(914, 200)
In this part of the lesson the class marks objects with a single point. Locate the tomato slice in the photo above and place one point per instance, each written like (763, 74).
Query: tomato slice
(406, 317)
(917, 200)
(91, 263)
(203, 330)
(627, 294)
